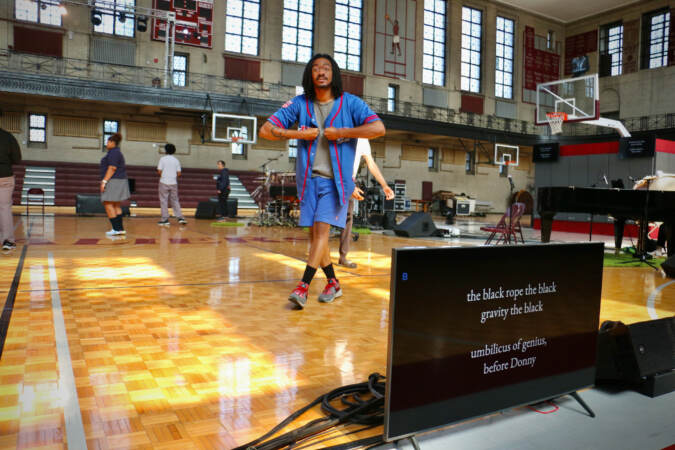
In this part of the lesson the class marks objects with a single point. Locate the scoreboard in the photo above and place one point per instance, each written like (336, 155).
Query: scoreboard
(194, 22)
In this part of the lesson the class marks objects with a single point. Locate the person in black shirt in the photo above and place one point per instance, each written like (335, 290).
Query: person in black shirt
(223, 187)
(114, 184)
(10, 153)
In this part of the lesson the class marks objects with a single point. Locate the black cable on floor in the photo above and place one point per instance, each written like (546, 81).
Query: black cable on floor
(357, 411)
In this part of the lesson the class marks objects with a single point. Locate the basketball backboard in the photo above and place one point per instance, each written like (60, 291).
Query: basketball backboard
(507, 154)
(226, 126)
(578, 97)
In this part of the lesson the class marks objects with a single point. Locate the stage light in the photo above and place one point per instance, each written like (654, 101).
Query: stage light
(62, 9)
(142, 24)
(122, 17)
(96, 17)
(43, 5)
(195, 34)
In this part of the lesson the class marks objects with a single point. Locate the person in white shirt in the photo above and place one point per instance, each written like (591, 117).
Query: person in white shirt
(362, 151)
(169, 171)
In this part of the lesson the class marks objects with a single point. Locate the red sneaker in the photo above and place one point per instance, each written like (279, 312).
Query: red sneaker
(299, 295)
(331, 291)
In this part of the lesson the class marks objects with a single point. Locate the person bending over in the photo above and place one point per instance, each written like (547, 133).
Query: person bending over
(329, 122)
(362, 151)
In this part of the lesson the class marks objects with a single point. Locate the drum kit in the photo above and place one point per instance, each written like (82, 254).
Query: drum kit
(277, 200)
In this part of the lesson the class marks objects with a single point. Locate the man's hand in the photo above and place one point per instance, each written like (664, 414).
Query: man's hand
(388, 193)
(308, 134)
(332, 133)
(357, 194)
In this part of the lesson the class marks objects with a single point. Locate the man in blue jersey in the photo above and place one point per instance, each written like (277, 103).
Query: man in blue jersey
(329, 123)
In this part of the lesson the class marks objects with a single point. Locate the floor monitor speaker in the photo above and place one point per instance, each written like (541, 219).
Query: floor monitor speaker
(638, 353)
(418, 224)
(206, 210)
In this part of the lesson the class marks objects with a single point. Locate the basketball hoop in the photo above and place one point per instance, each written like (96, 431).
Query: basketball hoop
(555, 121)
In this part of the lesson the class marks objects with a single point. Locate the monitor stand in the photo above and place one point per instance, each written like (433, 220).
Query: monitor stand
(575, 396)
(413, 440)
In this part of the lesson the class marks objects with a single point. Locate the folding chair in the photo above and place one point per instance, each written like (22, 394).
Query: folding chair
(35, 192)
(507, 227)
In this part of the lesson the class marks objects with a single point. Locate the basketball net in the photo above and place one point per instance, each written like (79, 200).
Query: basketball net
(555, 121)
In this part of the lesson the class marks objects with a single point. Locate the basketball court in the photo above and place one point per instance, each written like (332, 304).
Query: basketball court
(183, 337)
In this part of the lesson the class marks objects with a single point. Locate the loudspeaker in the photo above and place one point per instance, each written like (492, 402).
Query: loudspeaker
(232, 204)
(668, 267)
(389, 221)
(206, 210)
(419, 224)
(86, 204)
(638, 352)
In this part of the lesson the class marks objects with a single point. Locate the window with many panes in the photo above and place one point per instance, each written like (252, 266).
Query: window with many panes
(472, 33)
(37, 128)
(348, 32)
(180, 69)
(392, 98)
(611, 49)
(298, 30)
(504, 63)
(110, 127)
(46, 12)
(117, 17)
(433, 59)
(656, 30)
(242, 26)
(292, 149)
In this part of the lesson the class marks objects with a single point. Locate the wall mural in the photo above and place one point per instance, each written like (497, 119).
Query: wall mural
(395, 38)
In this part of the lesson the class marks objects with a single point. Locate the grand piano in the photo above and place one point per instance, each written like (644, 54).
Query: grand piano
(621, 204)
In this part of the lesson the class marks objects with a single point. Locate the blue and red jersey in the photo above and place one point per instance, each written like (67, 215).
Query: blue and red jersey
(349, 111)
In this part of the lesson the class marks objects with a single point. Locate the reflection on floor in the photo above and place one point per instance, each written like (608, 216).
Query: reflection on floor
(181, 337)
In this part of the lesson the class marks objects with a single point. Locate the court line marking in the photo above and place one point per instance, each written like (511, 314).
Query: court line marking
(7, 310)
(68, 392)
(651, 300)
(224, 283)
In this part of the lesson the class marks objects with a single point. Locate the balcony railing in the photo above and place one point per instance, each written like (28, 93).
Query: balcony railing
(152, 77)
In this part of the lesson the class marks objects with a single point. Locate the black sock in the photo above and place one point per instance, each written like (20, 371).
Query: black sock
(309, 274)
(113, 222)
(328, 270)
(119, 221)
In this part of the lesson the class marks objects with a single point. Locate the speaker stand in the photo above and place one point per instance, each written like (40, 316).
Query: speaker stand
(575, 395)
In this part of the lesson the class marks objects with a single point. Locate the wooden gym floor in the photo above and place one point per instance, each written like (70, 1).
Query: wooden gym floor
(182, 337)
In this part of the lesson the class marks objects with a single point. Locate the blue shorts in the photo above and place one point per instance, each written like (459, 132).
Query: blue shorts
(322, 204)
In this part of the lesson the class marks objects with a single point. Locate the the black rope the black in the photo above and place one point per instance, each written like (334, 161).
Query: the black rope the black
(357, 411)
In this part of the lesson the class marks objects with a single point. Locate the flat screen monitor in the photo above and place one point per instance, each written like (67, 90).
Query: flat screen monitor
(545, 152)
(477, 330)
(636, 147)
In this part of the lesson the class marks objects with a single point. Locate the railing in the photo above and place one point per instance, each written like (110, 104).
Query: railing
(197, 82)
(633, 124)
(448, 115)
(139, 76)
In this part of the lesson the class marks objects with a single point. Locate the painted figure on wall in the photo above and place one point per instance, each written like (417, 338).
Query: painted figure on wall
(395, 41)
